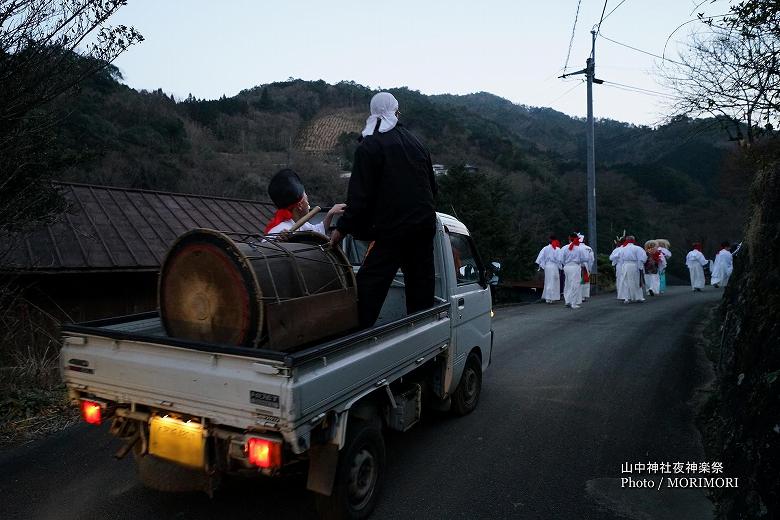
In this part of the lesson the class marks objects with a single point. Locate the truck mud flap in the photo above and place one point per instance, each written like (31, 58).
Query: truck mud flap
(323, 462)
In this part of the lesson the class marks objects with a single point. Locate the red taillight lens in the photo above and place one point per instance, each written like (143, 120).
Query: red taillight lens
(264, 453)
(91, 412)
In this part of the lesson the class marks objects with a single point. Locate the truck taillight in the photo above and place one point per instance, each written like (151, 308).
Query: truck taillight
(91, 412)
(264, 453)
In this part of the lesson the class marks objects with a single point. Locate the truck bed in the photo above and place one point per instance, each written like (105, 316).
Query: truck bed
(132, 361)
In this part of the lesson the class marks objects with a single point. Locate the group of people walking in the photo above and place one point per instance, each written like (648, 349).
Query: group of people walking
(576, 260)
(639, 271)
(720, 268)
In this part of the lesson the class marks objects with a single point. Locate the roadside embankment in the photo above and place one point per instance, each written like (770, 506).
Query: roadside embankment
(741, 421)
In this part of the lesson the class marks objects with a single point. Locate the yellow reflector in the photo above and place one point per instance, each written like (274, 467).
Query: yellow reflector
(177, 441)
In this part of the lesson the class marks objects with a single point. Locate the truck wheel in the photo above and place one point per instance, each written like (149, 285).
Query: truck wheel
(161, 475)
(466, 395)
(359, 475)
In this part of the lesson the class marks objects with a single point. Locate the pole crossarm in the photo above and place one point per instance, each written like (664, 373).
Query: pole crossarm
(583, 71)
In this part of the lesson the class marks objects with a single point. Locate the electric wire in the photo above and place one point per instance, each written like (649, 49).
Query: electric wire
(571, 40)
(579, 83)
(598, 26)
(640, 90)
(708, 18)
(643, 52)
(612, 11)
(632, 91)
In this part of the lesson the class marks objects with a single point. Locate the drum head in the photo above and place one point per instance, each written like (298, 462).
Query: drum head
(207, 291)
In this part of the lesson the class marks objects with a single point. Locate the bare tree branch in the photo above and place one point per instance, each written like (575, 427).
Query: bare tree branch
(42, 62)
(731, 68)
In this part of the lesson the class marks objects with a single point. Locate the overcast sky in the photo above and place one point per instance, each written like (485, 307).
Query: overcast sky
(515, 49)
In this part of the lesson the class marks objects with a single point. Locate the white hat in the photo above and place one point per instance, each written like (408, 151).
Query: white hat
(383, 107)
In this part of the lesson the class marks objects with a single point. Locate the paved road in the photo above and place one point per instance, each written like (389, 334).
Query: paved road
(569, 397)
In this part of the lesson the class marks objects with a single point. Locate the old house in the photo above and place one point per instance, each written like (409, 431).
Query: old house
(102, 257)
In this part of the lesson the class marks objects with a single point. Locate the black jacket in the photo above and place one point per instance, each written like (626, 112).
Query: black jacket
(392, 187)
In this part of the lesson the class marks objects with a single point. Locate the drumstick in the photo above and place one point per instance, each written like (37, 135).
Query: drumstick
(304, 219)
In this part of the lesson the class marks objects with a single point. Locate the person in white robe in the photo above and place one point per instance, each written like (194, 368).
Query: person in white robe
(549, 260)
(614, 257)
(591, 261)
(654, 264)
(723, 266)
(663, 246)
(288, 194)
(573, 258)
(695, 261)
(632, 261)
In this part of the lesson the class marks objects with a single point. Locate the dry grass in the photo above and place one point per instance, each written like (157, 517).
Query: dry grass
(43, 413)
(33, 400)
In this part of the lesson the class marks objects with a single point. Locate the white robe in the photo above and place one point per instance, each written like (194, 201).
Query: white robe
(287, 224)
(696, 262)
(572, 259)
(631, 259)
(653, 282)
(614, 257)
(549, 260)
(722, 268)
(666, 256)
(585, 287)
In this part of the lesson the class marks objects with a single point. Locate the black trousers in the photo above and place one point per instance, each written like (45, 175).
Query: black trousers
(412, 252)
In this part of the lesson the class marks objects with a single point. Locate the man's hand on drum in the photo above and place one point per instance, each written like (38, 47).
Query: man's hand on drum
(337, 209)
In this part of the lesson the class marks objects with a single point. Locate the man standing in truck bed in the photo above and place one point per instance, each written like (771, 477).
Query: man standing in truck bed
(390, 200)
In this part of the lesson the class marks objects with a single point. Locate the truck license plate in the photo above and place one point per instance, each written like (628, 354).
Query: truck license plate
(177, 441)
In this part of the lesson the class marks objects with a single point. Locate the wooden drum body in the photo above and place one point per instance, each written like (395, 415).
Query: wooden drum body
(249, 291)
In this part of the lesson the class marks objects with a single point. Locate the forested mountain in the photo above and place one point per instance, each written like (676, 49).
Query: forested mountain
(676, 181)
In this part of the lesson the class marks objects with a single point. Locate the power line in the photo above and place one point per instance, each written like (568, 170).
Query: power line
(632, 91)
(598, 28)
(571, 41)
(702, 19)
(640, 90)
(643, 52)
(579, 83)
(612, 11)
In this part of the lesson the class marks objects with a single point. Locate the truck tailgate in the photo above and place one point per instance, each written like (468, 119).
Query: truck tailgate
(227, 389)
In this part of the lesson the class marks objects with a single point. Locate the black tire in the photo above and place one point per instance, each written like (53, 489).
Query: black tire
(161, 475)
(466, 396)
(359, 476)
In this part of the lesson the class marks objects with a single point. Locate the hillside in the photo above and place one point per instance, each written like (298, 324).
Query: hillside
(673, 181)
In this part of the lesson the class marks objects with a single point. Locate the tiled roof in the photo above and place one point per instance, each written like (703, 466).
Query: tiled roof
(121, 229)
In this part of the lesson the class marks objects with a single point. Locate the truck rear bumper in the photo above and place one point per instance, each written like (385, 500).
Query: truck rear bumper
(195, 443)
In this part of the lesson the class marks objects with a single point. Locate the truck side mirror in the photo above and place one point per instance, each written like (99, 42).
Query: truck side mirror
(491, 273)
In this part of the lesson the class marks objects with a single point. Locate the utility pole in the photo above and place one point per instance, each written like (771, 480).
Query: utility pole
(590, 77)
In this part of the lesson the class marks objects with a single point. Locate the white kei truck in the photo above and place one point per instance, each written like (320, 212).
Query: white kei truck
(191, 412)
